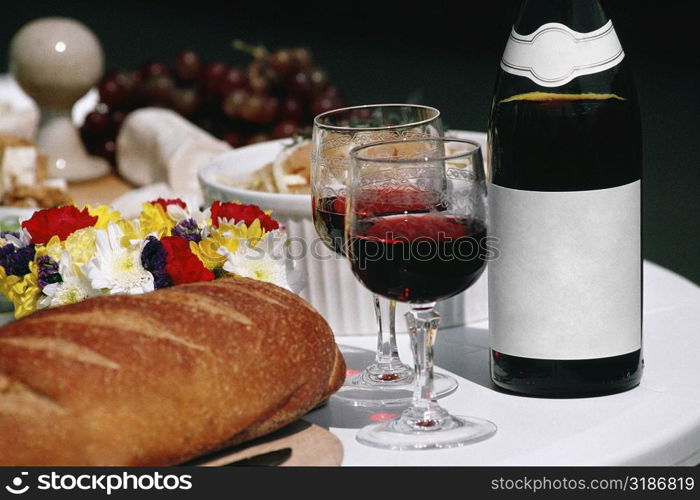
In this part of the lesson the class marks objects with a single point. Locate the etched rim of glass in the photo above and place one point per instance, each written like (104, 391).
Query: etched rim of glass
(356, 152)
(319, 118)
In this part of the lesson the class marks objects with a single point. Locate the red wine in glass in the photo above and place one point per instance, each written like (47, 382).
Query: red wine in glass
(329, 212)
(329, 221)
(418, 257)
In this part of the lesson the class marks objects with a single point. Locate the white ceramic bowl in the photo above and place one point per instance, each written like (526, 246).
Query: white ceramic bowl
(331, 287)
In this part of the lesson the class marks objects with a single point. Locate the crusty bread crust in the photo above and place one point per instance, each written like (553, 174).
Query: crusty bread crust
(160, 378)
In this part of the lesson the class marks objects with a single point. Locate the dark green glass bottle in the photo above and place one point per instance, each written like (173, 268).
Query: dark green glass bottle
(565, 169)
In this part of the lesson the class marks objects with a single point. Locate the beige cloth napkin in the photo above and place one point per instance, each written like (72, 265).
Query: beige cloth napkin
(159, 146)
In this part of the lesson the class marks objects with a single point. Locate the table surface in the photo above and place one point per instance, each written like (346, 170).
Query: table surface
(98, 191)
(657, 423)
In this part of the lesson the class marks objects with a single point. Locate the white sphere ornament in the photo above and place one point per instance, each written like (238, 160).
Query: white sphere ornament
(56, 61)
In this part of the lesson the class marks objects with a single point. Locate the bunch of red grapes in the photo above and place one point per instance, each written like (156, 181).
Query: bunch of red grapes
(276, 95)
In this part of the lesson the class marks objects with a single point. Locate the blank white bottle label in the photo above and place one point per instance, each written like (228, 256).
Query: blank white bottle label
(555, 54)
(567, 283)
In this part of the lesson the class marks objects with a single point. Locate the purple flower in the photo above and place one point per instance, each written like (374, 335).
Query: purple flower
(16, 260)
(153, 260)
(188, 230)
(12, 233)
(48, 271)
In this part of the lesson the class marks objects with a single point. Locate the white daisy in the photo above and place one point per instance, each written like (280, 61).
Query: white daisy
(263, 262)
(191, 211)
(75, 287)
(116, 268)
(21, 242)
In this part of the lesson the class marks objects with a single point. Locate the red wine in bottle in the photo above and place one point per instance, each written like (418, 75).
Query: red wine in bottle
(565, 293)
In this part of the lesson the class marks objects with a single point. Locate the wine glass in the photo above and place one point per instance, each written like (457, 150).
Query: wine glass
(419, 255)
(387, 380)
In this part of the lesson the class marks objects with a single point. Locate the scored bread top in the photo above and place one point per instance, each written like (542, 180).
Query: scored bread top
(159, 378)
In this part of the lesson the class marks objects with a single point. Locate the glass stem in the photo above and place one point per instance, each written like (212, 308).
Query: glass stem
(423, 324)
(387, 354)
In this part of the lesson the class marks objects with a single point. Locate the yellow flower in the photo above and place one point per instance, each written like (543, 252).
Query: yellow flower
(226, 239)
(131, 230)
(104, 216)
(23, 291)
(252, 233)
(206, 251)
(227, 236)
(155, 220)
(54, 248)
(80, 245)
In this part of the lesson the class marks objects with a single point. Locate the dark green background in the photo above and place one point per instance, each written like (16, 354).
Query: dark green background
(442, 54)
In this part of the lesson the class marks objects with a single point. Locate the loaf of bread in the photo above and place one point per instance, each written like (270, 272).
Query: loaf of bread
(160, 378)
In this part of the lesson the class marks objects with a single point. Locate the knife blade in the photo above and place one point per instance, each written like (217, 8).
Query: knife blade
(269, 459)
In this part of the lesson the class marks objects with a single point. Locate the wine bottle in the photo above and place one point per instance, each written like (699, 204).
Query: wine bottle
(565, 292)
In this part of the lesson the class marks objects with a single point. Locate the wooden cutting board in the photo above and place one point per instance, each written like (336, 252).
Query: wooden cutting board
(311, 445)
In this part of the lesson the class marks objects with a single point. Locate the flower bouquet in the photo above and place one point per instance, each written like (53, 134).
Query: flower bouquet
(65, 255)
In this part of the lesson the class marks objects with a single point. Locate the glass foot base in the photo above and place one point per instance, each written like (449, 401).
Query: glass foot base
(366, 390)
(378, 375)
(406, 434)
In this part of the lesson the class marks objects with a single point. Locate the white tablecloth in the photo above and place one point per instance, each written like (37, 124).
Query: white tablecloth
(657, 423)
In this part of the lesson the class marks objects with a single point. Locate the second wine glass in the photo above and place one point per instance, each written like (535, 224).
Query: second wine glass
(402, 251)
(387, 380)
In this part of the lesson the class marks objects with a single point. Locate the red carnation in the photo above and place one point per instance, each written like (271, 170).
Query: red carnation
(238, 212)
(181, 265)
(59, 221)
(165, 203)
